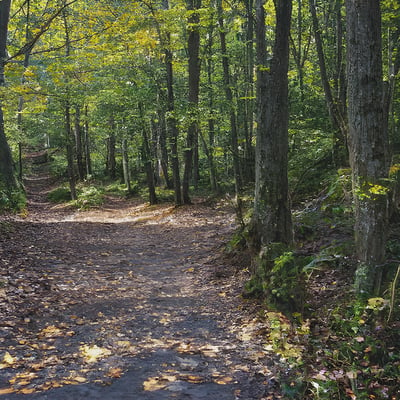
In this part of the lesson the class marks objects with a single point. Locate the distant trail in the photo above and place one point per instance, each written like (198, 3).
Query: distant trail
(124, 302)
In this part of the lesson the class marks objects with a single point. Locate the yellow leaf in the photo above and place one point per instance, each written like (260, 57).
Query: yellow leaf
(51, 331)
(8, 361)
(224, 380)
(27, 391)
(7, 390)
(114, 373)
(92, 353)
(124, 343)
(157, 383)
(80, 379)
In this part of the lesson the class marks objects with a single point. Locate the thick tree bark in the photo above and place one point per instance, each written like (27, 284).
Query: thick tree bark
(367, 138)
(194, 86)
(272, 215)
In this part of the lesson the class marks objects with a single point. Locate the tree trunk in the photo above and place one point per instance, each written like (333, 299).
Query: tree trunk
(70, 152)
(209, 149)
(7, 177)
(338, 118)
(78, 144)
(88, 160)
(148, 164)
(229, 99)
(111, 163)
(194, 82)
(248, 102)
(272, 215)
(125, 165)
(162, 141)
(368, 143)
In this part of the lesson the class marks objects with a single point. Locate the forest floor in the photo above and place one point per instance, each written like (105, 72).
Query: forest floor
(127, 301)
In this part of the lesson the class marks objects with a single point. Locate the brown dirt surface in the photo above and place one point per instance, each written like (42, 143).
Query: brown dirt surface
(127, 301)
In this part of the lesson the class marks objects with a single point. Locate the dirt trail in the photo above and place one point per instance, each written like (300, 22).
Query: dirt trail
(126, 302)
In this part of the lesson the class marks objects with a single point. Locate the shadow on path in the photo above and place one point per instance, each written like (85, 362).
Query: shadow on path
(123, 303)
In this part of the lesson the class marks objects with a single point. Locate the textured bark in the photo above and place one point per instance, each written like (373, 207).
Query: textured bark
(367, 137)
(272, 215)
(194, 86)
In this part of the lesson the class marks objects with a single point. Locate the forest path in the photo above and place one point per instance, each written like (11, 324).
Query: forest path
(125, 302)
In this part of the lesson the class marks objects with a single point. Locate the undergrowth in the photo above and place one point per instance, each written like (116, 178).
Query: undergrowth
(332, 344)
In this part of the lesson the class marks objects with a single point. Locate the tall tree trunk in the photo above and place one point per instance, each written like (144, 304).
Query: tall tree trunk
(88, 160)
(27, 55)
(111, 141)
(209, 149)
(248, 103)
(272, 215)
(148, 162)
(194, 82)
(368, 141)
(338, 118)
(162, 141)
(173, 129)
(69, 138)
(7, 177)
(125, 165)
(78, 143)
(229, 99)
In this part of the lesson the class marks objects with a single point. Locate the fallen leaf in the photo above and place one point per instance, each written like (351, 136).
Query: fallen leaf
(80, 379)
(114, 373)
(50, 332)
(7, 390)
(8, 361)
(192, 378)
(27, 391)
(92, 353)
(224, 380)
(158, 383)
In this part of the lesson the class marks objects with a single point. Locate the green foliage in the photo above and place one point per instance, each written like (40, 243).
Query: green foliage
(14, 201)
(89, 197)
(58, 165)
(59, 195)
(279, 279)
(359, 360)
